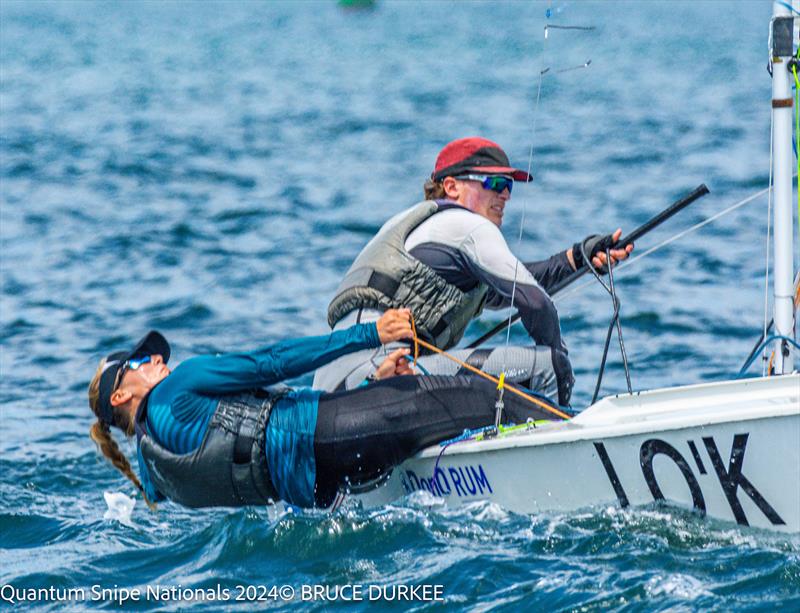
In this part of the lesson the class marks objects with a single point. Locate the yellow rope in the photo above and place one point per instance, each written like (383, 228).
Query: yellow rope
(797, 131)
(500, 382)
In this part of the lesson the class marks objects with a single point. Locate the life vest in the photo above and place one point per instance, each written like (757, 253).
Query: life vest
(385, 276)
(229, 469)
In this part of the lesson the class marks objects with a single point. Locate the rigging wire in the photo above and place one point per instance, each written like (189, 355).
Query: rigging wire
(569, 68)
(623, 265)
(766, 343)
(524, 210)
(757, 347)
(542, 72)
(499, 404)
(622, 351)
(614, 321)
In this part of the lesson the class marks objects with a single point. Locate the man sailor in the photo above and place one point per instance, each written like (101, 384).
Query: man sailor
(447, 260)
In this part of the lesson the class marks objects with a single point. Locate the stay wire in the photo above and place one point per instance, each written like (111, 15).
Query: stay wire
(576, 288)
(522, 220)
(766, 343)
(542, 72)
(757, 346)
(525, 201)
(530, 167)
(499, 404)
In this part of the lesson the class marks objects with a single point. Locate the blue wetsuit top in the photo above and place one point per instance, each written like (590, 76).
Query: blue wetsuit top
(180, 407)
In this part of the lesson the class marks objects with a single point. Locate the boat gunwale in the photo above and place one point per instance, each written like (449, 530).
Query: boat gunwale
(784, 402)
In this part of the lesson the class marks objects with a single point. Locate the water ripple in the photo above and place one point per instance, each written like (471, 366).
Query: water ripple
(213, 172)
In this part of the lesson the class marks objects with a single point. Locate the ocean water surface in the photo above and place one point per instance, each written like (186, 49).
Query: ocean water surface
(211, 169)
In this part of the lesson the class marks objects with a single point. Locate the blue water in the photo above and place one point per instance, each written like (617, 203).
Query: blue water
(211, 170)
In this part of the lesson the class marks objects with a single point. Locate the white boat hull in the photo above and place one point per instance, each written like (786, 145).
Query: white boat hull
(729, 450)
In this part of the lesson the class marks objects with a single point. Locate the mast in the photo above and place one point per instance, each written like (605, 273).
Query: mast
(781, 52)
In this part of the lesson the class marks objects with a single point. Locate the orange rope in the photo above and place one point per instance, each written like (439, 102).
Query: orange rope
(485, 375)
(797, 291)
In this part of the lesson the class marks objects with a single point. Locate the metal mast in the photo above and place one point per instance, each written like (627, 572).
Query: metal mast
(781, 52)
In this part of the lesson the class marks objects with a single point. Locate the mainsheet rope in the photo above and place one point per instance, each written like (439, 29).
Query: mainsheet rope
(501, 384)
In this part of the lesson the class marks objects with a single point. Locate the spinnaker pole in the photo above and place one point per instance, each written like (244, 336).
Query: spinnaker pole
(781, 52)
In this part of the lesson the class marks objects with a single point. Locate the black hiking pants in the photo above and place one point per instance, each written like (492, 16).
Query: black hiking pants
(363, 433)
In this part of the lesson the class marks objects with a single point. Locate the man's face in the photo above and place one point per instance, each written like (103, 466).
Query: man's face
(485, 202)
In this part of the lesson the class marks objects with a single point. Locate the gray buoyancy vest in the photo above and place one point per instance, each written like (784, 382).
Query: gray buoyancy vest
(386, 276)
(229, 469)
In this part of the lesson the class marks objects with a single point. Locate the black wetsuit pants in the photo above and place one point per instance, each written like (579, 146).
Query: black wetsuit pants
(364, 432)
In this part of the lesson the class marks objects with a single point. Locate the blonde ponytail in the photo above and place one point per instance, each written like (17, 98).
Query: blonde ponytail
(101, 435)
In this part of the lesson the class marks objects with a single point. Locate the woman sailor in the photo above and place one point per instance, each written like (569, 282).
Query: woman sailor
(209, 434)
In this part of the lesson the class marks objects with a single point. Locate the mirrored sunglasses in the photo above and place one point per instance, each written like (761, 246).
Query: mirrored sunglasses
(496, 183)
(132, 364)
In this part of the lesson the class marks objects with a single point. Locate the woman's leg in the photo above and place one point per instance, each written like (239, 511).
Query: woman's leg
(362, 433)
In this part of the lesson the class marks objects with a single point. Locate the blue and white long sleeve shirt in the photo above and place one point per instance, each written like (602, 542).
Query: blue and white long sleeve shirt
(181, 406)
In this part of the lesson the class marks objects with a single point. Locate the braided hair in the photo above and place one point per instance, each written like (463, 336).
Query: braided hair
(100, 432)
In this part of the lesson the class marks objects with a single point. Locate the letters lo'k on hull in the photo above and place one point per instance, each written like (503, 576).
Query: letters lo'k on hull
(728, 450)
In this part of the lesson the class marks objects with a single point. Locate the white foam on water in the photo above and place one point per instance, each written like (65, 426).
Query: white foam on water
(552, 581)
(678, 586)
(120, 507)
(364, 567)
(488, 511)
(654, 514)
(423, 498)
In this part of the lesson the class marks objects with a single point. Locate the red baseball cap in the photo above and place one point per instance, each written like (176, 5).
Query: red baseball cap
(475, 154)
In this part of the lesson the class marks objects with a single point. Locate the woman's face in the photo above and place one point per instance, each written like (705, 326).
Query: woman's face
(145, 378)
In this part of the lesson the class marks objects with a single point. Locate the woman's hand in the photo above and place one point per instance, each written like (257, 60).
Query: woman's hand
(394, 364)
(394, 325)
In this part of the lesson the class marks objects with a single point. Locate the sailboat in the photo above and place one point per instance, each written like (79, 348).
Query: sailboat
(729, 450)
